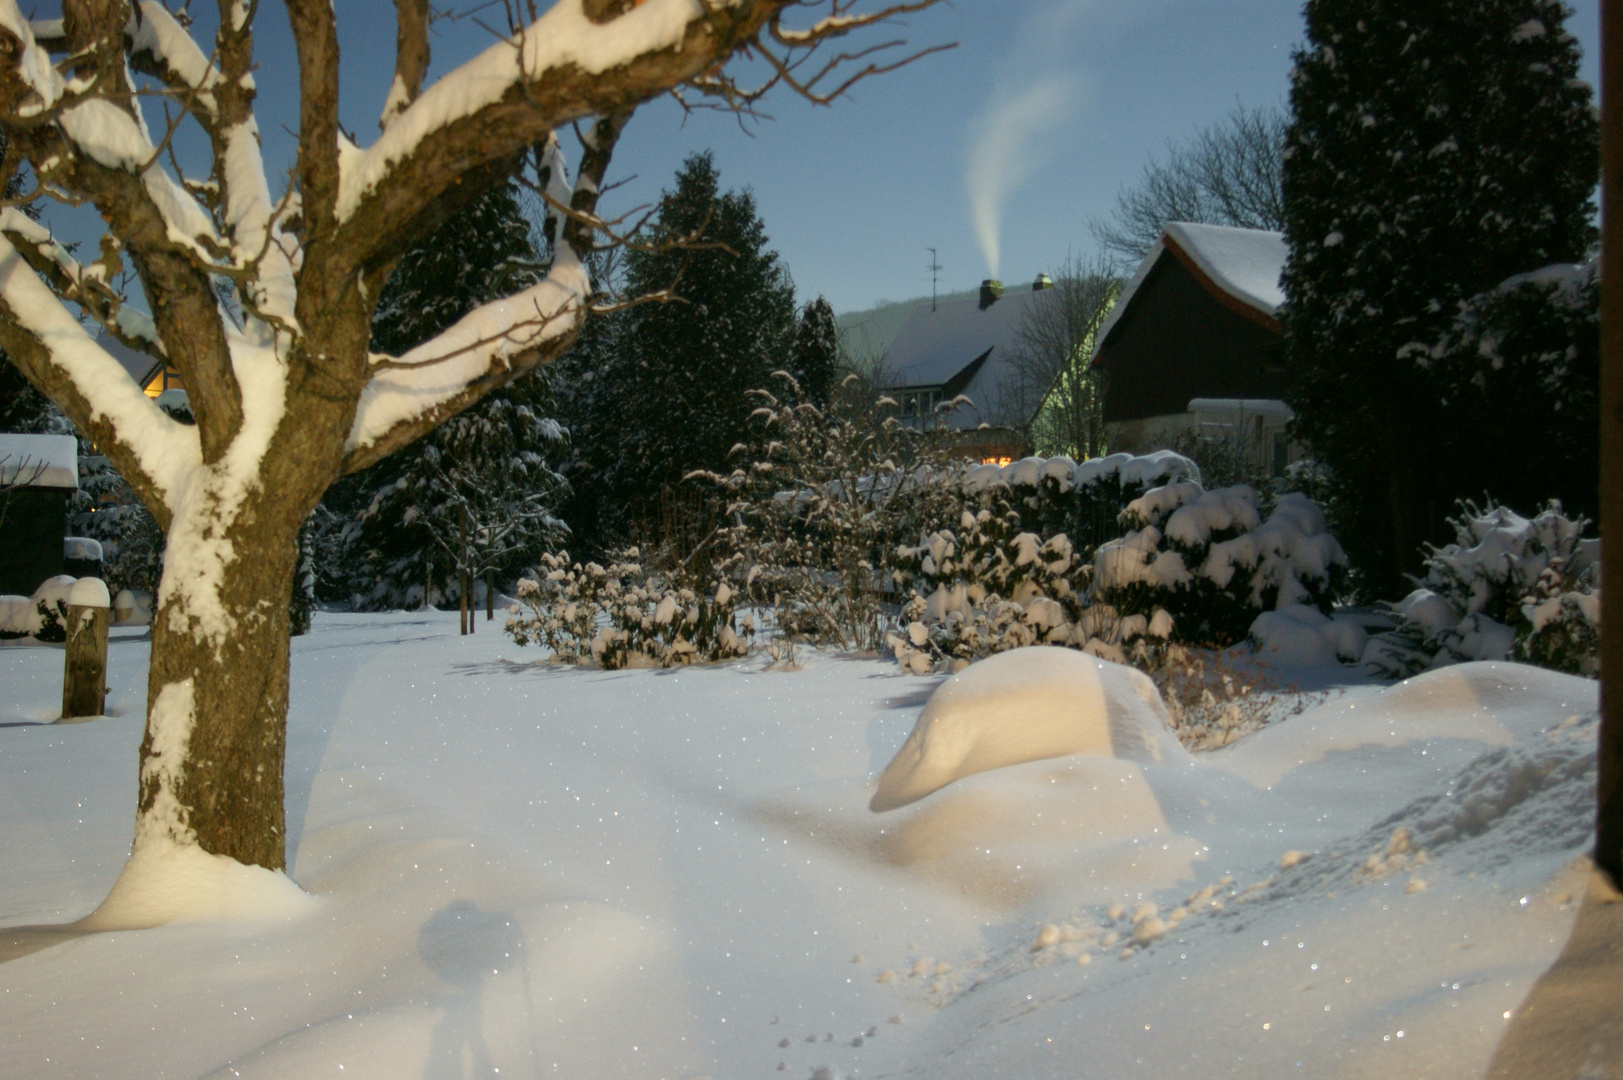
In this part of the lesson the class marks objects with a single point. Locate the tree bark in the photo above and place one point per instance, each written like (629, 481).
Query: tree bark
(222, 701)
(1609, 790)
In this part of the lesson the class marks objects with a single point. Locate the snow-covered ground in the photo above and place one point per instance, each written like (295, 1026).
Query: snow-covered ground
(675, 874)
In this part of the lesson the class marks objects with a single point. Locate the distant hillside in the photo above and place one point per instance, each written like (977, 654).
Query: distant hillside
(865, 335)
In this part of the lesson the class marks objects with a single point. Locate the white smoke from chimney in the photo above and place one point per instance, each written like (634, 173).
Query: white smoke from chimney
(1006, 147)
(1039, 90)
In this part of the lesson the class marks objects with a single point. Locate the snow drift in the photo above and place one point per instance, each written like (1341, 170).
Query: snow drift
(1026, 705)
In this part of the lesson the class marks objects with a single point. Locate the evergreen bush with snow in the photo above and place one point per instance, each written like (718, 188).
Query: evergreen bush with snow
(1434, 150)
(1509, 586)
(1209, 560)
(619, 616)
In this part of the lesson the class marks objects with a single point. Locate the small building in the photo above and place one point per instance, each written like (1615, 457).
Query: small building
(967, 348)
(153, 376)
(38, 473)
(1193, 347)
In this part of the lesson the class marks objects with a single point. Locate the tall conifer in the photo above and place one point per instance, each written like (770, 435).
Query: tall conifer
(1434, 150)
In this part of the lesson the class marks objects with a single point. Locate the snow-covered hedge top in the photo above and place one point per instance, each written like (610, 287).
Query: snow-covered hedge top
(47, 461)
(1160, 467)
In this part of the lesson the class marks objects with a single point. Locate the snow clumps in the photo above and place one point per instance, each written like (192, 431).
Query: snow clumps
(1025, 705)
(1508, 587)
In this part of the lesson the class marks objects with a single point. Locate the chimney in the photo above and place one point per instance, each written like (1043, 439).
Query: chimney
(1043, 282)
(991, 290)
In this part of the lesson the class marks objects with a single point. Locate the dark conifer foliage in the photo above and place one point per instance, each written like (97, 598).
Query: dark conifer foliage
(492, 460)
(817, 351)
(1434, 151)
(671, 379)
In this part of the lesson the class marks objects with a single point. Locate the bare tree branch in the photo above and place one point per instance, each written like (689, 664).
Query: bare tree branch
(411, 58)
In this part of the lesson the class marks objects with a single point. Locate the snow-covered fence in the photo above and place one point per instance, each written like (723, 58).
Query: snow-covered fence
(1508, 587)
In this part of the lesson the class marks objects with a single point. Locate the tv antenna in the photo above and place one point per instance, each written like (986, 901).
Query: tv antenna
(935, 267)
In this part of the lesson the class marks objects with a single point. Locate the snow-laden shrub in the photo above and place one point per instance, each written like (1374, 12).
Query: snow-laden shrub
(1210, 561)
(617, 616)
(42, 616)
(1508, 585)
(1082, 500)
(818, 506)
(1560, 627)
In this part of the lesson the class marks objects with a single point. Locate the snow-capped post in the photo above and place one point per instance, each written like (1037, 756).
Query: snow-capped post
(286, 392)
(84, 666)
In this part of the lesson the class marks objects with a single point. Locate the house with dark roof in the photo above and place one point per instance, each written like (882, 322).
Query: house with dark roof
(1193, 346)
(967, 348)
(38, 473)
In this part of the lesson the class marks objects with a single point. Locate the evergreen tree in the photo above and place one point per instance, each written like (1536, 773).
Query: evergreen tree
(405, 514)
(817, 351)
(672, 397)
(1434, 151)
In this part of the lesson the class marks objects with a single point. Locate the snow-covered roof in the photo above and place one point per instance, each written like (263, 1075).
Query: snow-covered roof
(936, 346)
(1245, 263)
(45, 461)
(1242, 265)
(1248, 406)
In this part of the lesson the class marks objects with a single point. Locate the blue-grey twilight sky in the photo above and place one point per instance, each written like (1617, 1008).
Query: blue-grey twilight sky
(1045, 109)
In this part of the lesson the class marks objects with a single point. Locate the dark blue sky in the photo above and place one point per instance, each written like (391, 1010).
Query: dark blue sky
(1081, 91)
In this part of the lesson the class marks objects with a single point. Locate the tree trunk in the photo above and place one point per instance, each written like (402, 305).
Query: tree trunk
(462, 574)
(1609, 792)
(490, 595)
(211, 760)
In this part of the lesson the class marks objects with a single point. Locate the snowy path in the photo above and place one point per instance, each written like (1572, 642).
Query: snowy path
(671, 874)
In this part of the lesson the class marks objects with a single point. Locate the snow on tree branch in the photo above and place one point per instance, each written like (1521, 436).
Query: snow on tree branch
(43, 337)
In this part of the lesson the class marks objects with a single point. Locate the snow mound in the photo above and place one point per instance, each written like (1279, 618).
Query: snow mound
(170, 883)
(1300, 635)
(1026, 705)
(1473, 705)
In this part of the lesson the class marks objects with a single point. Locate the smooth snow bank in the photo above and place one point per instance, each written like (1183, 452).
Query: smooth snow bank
(1484, 704)
(675, 873)
(169, 883)
(1026, 705)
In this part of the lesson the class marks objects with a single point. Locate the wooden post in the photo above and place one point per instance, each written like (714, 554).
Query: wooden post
(1609, 804)
(84, 671)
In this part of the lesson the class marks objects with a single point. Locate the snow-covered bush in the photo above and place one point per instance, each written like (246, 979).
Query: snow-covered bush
(42, 616)
(1209, 560)
(1507, 586)
(1056, 495)
(107, 510)
(1011, 573)
(819, 506)
(617, 616)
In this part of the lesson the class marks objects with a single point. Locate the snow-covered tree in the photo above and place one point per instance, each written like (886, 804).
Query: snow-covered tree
(1435, 150)
(287, 392)
(674, 395)
(817, 351)
(488, 470)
